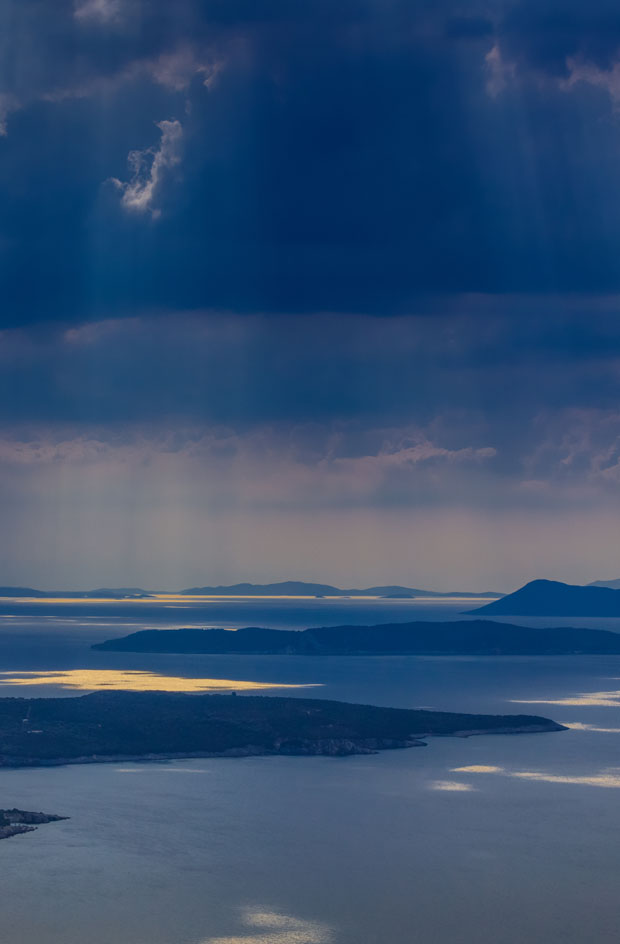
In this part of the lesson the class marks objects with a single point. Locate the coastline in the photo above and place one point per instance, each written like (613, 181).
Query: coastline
(326, 747)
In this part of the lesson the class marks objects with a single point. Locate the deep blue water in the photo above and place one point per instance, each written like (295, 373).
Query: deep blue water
(398, 847)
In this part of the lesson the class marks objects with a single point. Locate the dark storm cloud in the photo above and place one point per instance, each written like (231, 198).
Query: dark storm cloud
(220, 369)
(546, 35)
(343, 157)
(168, 169)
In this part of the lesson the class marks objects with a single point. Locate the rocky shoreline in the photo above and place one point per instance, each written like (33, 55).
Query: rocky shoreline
(289, 747)
(14, 822)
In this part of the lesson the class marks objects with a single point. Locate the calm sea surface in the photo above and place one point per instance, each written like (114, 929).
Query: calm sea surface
(491, 839)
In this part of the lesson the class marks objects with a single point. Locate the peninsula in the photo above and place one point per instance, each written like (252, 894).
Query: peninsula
(463, 637)
(13, 822)
(116, 725)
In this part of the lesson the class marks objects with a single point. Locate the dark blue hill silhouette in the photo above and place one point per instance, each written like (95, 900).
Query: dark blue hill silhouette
(478, 637)
(552, 598)
(297, 588)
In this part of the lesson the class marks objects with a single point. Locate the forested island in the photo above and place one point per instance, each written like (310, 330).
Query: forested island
(475, 637)
(117, 725)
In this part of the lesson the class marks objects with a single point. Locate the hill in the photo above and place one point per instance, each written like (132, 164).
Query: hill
(611, 584)
(551, 598)
(297, 588)
(478, 637)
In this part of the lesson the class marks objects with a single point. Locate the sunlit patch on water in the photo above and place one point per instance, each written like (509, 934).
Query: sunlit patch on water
(91, 680)
(582, 699)
(272, 928)
(452, 786)
(605, 778)
(580, 726)
(478, 769)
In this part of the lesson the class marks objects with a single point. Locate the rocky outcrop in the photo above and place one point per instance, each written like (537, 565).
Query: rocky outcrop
(342, 747)
(13, 822)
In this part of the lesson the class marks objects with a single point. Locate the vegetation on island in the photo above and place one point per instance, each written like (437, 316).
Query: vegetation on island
(475, 637)
(114, 724)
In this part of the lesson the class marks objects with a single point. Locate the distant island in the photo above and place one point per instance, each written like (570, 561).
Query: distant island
(475, 637)
(552, 598)
(285, 588)
(115, 725)
(299, 588)
(103, 593)
(14, 822)
(611, 584)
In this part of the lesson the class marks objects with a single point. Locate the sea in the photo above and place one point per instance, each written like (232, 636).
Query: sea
(506, 839)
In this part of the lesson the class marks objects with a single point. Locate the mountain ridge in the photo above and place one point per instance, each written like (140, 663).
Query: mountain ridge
(303, 588)
(280, 588)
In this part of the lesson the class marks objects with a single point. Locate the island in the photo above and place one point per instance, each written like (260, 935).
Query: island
(13, 822)
(103, 593)
(302, 588)
(463, 637)
(613, 584)
(552, 598)
(118, 725)
(284, 588)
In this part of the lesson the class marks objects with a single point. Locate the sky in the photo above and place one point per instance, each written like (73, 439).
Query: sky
(309, 290)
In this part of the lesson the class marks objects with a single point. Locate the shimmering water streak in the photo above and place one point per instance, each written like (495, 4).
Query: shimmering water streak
(271, 928)
(604, 778)
(581, 699)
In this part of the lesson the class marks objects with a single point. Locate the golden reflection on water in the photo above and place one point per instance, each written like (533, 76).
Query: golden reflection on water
(173, 598)
(135, 681)
(273, 928)
(605, 778)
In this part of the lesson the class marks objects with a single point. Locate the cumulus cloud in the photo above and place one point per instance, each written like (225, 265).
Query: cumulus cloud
(8, 104)
(176, 69)
(149, 169)
(103, 11)
(559, 43)
(588, 73)
(499, 72)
